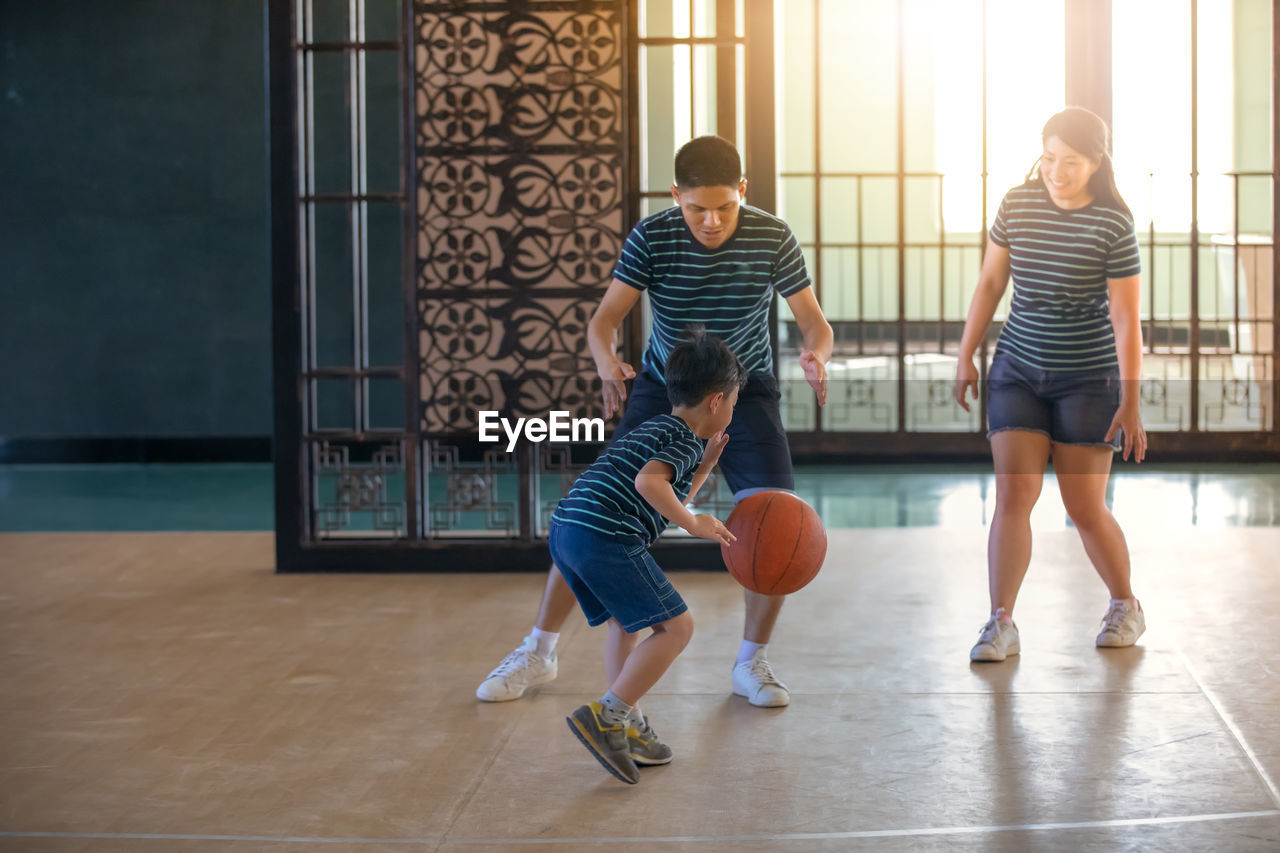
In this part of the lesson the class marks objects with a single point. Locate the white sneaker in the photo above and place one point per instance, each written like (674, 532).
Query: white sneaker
(1122, 626)
(520, 670)
(998, 640)
(754, 679)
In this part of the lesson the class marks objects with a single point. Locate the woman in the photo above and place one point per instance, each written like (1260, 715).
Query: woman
(1064, 380)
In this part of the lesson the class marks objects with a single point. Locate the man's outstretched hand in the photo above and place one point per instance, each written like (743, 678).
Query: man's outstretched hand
(614, 387)
(815, 372)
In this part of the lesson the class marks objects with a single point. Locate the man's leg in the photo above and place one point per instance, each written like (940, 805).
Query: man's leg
(758, 459)
(534, 661)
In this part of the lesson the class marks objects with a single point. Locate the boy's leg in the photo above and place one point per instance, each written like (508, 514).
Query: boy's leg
(618, 646)
(534, 660)
(650, 659)
(636, 594)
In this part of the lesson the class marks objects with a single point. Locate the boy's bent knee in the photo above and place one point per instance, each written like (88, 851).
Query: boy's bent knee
(680, 627)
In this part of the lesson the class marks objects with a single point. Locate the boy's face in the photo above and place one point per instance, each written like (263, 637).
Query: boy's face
(724, 411)
(710, 212)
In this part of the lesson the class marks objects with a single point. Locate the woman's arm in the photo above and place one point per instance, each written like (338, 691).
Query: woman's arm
(1125, 295)
(992, 282)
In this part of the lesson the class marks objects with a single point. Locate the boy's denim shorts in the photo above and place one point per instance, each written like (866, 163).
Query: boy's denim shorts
(614, 579)
(1069, 407)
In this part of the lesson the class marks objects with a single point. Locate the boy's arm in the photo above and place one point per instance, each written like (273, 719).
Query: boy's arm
(653, 482)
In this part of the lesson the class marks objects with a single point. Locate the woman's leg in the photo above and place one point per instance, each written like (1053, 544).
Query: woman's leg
(1020, 457)
(1082, 478)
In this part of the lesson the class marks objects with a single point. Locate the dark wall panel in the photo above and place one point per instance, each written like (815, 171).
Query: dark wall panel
(134, 278)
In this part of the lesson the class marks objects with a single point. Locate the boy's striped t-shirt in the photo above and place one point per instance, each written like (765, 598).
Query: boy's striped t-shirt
(604, 497)
(1060, 261)
(728, 289)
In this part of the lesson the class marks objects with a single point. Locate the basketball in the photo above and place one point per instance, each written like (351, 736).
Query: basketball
(780, 546)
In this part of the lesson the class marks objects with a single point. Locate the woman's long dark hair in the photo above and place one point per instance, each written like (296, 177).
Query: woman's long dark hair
(1087, 133)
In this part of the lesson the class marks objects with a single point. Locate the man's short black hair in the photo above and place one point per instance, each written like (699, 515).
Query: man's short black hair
(701, 365)
(708, 161)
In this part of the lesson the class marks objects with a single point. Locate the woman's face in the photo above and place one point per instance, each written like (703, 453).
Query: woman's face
(1066, 173)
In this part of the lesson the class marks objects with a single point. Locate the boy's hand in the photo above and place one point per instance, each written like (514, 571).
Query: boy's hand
(711, 453)
(709, 527)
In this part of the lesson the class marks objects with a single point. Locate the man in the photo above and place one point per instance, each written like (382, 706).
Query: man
(716, 261)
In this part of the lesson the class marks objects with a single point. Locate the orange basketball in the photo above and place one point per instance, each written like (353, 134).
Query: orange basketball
(781, 543)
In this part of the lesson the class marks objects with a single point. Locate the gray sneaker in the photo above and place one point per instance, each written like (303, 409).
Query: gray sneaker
(998, 640)
(645, 747)
(607, 743)
(1122, 626)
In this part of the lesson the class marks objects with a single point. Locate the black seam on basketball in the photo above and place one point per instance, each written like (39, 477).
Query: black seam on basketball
(755, 578)
(799, 536)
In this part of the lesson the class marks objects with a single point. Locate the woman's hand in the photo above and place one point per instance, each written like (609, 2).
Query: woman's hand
(966, 378)
(1129, 418)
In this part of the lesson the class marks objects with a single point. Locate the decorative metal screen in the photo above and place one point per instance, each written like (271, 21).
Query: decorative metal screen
(519, 125)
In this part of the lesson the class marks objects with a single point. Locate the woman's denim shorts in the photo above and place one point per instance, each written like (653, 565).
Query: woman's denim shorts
(613, 578)
(1071, 407)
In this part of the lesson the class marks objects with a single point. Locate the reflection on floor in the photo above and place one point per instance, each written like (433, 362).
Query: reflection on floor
(238, 497)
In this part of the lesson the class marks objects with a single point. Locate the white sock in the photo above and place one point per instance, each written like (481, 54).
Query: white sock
(615, 710)
(748, 650)
(545, 641)
(1129, 603)
(636, 718)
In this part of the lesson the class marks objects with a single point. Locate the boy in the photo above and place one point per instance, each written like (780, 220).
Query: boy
(600, 537)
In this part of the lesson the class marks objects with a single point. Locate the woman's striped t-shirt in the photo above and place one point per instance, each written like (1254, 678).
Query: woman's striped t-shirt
(728, 289)
(604, 497)
(1060, 261)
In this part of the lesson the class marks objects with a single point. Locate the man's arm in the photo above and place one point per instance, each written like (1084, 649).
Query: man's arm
(819, 340)
(602, 338)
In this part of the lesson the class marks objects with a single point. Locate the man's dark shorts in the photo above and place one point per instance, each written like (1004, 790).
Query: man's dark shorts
(757, 455)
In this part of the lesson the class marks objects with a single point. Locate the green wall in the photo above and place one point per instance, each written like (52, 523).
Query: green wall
(134, 258)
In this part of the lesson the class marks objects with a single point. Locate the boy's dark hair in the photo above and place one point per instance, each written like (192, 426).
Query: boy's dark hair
(701, 365)
(708, 161)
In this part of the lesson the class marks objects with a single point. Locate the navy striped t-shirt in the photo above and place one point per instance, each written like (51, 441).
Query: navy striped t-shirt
(1060, 261)
(604, 497)
(728, 289)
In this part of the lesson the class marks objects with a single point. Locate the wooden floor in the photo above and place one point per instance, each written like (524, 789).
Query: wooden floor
(168, 692)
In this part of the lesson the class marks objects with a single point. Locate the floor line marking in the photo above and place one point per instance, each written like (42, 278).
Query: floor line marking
(675, 839)
(1231, 727)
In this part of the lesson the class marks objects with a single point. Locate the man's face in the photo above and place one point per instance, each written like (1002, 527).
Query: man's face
(710, 212)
